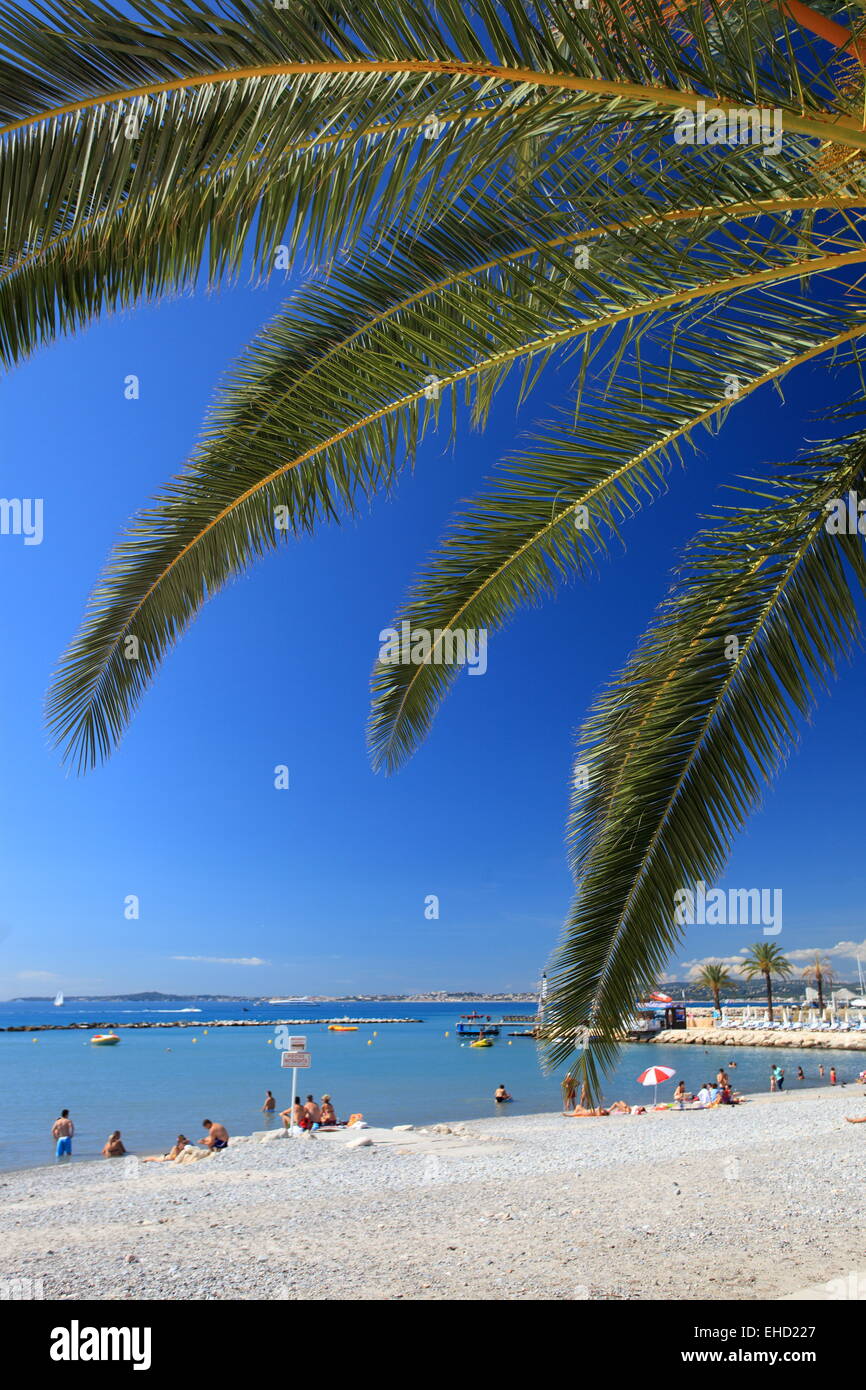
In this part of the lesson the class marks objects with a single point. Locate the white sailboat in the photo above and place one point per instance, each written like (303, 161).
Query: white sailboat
(58, 999)
(860, 1001)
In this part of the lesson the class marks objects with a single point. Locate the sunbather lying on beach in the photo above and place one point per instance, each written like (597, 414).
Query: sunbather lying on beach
(582, 1112)
(177, 1148)
(860, 1121)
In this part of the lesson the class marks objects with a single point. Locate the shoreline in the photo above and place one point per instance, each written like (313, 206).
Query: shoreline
(669, 1205)
(266, 1135)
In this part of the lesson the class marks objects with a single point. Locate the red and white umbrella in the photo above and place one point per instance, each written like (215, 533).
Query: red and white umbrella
(654, 1076)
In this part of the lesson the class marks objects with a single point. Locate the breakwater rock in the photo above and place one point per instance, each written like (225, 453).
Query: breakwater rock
(202, 1023)
(762, 1037)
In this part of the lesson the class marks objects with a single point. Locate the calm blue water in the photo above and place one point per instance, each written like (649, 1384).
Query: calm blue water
(156, 1083)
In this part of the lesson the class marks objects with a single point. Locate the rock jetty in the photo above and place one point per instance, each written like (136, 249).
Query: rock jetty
(762, 1037)
(206, 1023)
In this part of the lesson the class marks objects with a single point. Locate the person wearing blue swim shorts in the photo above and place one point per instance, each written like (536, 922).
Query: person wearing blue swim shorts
(62, 1131)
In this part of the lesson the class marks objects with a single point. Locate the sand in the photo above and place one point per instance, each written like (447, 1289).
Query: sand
(760, 1201)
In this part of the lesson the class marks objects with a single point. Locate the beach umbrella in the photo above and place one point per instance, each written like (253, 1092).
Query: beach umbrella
(654, 1076)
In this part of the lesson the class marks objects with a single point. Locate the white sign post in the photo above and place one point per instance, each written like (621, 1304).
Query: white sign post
(297, 1059)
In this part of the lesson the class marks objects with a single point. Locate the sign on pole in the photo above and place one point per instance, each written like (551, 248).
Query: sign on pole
(296, 1060)
(299, 1060)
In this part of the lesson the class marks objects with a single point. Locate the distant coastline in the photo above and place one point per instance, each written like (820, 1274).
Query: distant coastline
(749, 993)
(156, 997)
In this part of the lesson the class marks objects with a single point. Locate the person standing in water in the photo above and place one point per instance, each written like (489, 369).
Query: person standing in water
(270, 1104)
(832, 1076)
(62, 1131)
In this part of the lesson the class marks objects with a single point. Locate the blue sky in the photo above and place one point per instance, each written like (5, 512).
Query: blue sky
(324, 884)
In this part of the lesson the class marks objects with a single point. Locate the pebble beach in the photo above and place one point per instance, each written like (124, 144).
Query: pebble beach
(758, 1201)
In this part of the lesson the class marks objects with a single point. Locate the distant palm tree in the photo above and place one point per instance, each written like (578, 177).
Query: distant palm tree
(819, 970)
(716, 977)
(767, 960)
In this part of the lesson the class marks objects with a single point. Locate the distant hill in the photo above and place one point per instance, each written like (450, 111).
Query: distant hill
(147, 996)
(746, 992)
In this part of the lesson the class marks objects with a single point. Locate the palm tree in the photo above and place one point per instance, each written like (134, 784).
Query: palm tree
(765, 958)
(715, 977)
(477, 190)
(820, 971)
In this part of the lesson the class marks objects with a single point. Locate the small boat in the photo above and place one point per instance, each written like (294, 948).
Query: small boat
(59, 1000)
(342, 1028)
(104, 1039)
(481, 1042)
(476, 1030)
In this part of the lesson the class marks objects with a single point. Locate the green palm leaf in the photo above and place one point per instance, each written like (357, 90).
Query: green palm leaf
(252, 123)
(554, 507)
(301, 430)
(716, 727)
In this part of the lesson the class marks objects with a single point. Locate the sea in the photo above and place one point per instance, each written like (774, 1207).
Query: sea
(157, 1083)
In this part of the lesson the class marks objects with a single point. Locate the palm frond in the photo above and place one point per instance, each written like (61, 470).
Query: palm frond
(720, 721)
(191, 124)
(553, 508)
(301, 432)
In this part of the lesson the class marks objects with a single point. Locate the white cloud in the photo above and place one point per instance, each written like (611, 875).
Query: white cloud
(225, 960)
(693, 967)
(844, 950)
(36, 975)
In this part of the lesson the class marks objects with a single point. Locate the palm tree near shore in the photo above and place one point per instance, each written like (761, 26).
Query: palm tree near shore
(477, 190)
(765, 958)
(715, 977)
(820, 971)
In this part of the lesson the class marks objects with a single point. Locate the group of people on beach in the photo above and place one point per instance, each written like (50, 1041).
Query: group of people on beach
(722, 1093)
(709, 1095)
(586, 1110)
(309, 1116)
(63, 1131)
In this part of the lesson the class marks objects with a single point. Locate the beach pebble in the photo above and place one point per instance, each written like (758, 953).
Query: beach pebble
(402, 1129)
(388, 1226)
